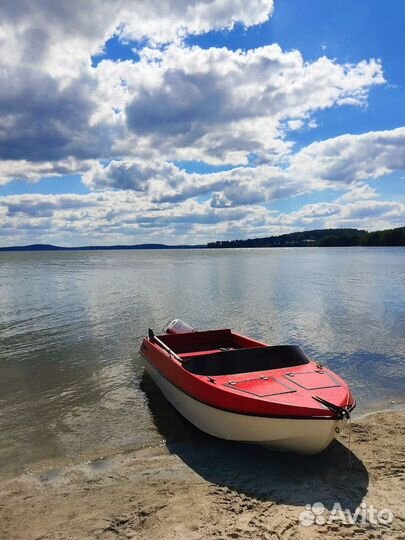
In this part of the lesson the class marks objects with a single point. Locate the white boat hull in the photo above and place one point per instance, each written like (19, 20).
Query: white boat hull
(305, 436)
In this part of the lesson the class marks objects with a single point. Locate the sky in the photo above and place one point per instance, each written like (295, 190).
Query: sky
(132, 121)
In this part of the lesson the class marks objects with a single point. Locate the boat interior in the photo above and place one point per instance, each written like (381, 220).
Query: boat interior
(221, 352)
(246, 360)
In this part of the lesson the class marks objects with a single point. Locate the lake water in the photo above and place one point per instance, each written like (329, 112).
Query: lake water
(71, 326)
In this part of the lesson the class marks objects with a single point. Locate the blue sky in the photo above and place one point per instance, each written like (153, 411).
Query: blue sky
(238, 119)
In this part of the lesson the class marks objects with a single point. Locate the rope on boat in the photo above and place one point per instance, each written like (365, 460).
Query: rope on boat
(349, 445)
(350, 433)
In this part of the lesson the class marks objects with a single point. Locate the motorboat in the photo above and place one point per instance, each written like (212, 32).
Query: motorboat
(241, 389)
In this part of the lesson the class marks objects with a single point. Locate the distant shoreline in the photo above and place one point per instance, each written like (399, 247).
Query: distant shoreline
(23, 249)
(49, 247)
(314, 238)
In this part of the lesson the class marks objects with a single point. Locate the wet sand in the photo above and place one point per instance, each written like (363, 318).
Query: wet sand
(196, 487)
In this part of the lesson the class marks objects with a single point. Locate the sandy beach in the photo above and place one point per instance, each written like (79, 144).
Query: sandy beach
(196, 487)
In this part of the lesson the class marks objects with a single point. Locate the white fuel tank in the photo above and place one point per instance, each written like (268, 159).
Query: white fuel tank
(179, 327)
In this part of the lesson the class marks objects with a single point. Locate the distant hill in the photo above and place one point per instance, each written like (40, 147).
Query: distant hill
(50, 247)
(316, 238)
(321, 238)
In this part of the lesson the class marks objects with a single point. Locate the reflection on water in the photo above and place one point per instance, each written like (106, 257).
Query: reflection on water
(70, 324)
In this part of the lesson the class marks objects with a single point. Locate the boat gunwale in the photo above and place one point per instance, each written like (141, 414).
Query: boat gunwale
(253, 414)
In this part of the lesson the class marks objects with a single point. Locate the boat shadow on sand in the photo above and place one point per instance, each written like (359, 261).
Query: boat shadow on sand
(335, 475)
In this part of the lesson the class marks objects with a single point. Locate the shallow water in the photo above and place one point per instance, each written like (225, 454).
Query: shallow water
(70, 327)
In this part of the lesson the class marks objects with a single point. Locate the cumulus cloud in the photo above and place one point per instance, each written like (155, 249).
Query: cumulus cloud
(133, 174)
(121, 125)
(164, 182)
(352, 158)
(172, 20)
(235, 196)
(373, 209)
(359, 192)
(44, 206)
(32, 171)
(183, 103)
(40, 121)
(176, 102)
(376, 214)
(219, 105)
(51, 99)
(61, 36)
(345, 161)
(133, 200)
(122, 216)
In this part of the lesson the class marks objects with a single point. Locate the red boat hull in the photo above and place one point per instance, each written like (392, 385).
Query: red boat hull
(285, 392)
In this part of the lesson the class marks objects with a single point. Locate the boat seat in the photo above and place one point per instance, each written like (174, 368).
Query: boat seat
(199, 353)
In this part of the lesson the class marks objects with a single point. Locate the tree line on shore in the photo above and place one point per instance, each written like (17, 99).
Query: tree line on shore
(321, 238)
(317, 238)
